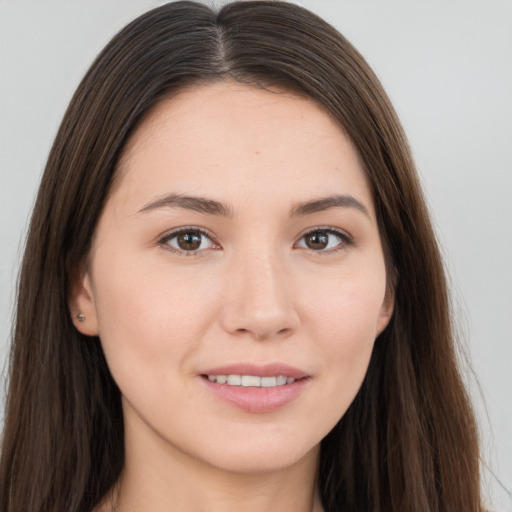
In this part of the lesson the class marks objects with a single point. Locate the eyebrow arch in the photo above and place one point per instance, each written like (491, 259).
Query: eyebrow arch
(324, 203)
(198, 204)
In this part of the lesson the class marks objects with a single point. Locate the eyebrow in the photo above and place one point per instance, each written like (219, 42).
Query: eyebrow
(198, 204)
(212, 207)
(325, 203)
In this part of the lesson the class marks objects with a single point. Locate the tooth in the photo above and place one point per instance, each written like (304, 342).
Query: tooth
(234, 380)
(267, 382)
(251, 380)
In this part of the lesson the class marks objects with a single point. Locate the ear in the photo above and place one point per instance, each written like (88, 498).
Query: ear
(386, 311)
(82, 305)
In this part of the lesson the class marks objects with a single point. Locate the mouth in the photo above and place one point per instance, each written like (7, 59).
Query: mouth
(251, 380)
(255, 388)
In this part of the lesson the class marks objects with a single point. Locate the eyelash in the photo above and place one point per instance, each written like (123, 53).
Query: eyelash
(164, 241)
(345, 240)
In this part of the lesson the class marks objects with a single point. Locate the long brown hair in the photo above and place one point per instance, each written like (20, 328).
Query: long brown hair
(407, 443)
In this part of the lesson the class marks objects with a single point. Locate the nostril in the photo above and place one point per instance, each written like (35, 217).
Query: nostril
(259, 317)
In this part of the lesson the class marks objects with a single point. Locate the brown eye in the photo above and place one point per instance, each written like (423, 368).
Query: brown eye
(316, 241)
(324, 240)
(190, 240)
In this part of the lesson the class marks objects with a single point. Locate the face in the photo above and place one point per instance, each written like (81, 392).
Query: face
(236, 279)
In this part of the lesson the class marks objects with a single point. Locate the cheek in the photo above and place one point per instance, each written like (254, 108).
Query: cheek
(347, 307)
(147, 318)
(344, 326)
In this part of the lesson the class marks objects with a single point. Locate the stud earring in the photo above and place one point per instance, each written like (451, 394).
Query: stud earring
(80, 317)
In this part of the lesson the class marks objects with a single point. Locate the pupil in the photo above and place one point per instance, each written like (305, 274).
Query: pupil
(317, 241)
(189, 241)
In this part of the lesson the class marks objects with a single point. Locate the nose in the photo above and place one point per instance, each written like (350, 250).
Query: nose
(259, 298)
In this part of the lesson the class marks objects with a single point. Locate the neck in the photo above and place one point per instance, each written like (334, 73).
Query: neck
(159, 478)
(226, 493)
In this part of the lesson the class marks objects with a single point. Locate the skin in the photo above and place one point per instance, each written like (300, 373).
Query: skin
(253, 292)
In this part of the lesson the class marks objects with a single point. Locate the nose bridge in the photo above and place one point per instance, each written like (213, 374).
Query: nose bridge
(260, 302)
(263, 279)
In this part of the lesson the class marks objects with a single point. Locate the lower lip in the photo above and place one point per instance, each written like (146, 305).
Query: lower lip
(257, 399)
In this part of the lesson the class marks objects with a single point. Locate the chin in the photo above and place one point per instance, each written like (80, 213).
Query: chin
(256, 458)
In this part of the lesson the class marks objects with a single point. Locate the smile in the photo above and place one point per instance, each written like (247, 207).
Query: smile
(256, 388)
(251, 380)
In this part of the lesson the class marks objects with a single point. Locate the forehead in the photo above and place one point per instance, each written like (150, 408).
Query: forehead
(222, 137)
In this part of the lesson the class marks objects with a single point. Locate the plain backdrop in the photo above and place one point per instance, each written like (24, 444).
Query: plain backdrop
(447, 66)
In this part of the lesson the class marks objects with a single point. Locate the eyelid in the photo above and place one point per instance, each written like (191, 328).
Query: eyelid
(347, 240)
(169, 235)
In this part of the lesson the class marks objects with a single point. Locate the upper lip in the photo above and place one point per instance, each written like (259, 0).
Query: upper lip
(264, 370)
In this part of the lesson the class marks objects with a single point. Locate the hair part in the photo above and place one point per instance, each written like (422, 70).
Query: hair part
(408, 441)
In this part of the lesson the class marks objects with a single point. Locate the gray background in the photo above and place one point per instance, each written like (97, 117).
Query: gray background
(447, 66)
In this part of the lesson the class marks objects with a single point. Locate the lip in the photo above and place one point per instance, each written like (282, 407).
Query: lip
(265, 370)
(257, 399)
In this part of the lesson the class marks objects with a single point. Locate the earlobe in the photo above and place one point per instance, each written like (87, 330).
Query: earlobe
(82, 305)
(386, 312)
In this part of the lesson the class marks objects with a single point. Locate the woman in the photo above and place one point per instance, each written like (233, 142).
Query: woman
(231, 294)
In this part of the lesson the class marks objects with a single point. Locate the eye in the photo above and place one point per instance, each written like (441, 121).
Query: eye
(324, 239)
(188, 240)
